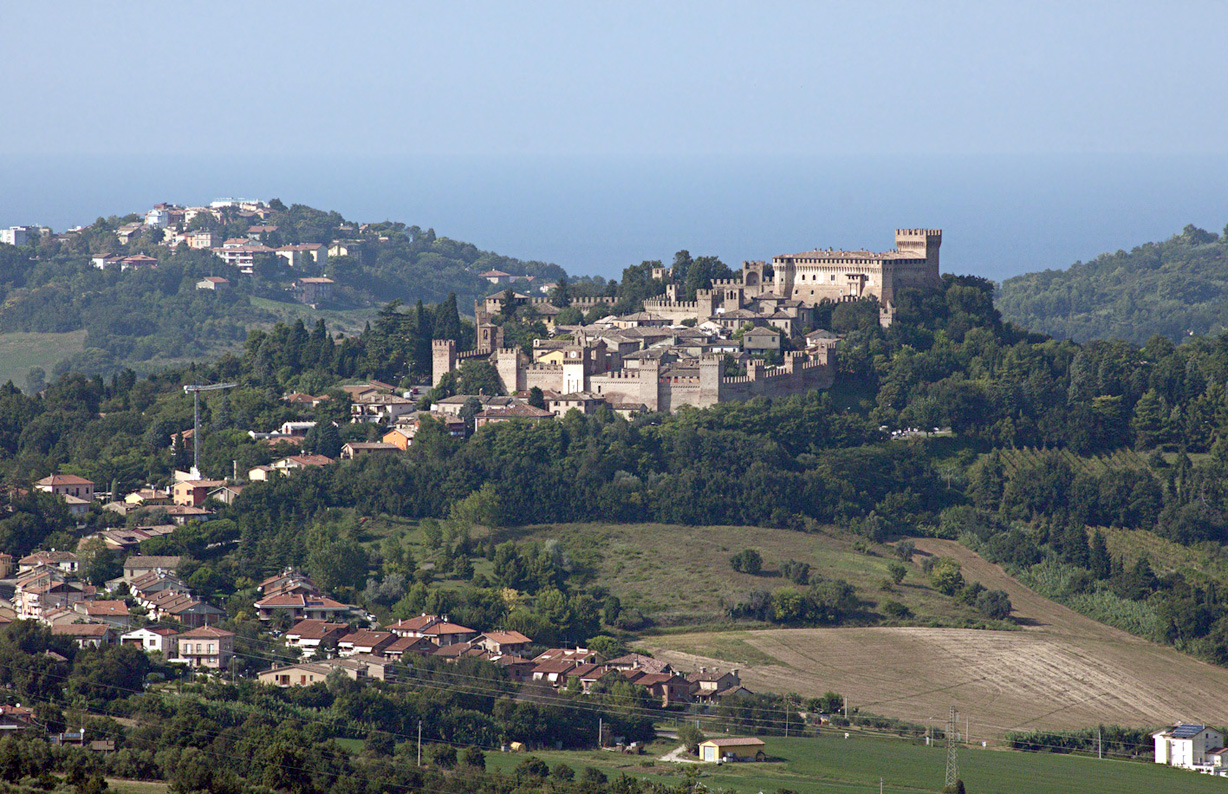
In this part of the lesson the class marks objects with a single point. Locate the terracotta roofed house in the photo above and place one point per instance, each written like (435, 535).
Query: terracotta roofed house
(301, 606)
(504, 642)
(85, 634)
(207, 647)
(311, 635)
(66, 485)
(365, 641)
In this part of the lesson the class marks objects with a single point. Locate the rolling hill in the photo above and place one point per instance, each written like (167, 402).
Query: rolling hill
(1175, 288)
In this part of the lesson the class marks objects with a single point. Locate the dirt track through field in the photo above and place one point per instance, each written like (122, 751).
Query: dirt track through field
(1062, 670)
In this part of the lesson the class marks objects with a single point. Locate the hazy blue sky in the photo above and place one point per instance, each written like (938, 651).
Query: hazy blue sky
(634, 78)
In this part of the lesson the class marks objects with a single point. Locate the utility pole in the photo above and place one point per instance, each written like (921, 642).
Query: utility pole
(195, 391)
(952, 759)
(600, 723)
(419, 742)
(1099, 744)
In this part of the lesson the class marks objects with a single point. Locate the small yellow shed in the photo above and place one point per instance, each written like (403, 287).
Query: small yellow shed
(734, 748)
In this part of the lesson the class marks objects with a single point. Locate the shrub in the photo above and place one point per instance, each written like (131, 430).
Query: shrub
(898, 571)
(796, 572)
(995, 604)
(945, 576)
(747, 561)
(895, 609)
(473, 758)
(691, 736)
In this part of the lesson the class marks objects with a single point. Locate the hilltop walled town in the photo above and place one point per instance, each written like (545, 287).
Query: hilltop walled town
(673, 352)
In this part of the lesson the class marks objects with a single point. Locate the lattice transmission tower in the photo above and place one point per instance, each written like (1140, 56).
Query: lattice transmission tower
(952, 759)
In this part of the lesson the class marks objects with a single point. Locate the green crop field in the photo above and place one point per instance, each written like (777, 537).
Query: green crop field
(1013, 459)
(20, 351)
(832, 764)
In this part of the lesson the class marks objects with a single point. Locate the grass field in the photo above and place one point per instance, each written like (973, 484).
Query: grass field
(20, 351)
(1062, 671)
(680, 576)
(350, 322)
(832, 764)
(119, 786)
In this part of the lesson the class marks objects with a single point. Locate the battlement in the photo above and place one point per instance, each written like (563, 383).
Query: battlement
(727, 282)
(622, 374)
(443, 344)
(918, 232)
(662, 304)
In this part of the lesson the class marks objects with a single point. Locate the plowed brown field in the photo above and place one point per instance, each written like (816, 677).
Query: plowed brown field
(1062, 670)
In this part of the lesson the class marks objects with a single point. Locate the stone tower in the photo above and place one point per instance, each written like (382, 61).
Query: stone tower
(710, 368)
(443, 359)
(924, 244)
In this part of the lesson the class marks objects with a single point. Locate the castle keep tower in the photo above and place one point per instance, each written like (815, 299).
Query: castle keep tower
(923, 244)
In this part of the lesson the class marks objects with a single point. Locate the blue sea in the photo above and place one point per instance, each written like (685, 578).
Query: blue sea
(1001, 215)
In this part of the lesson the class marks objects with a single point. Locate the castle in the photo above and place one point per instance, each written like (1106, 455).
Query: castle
(650, 361)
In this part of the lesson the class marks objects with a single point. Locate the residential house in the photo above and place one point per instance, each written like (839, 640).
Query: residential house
(365, 641)
(353, 449)
(638, 661)
(297, 256)
(185, 514)
(377, 667)
(113, 613)
(510, 413)
(204, 239)
(574, 655)
(138, 565)
(36, 597)
(213, 283)
(411, 645)
(376, 407)
(64, 561)
(66, 485)
(227, 494)
(497, 277)
(153, 639)
(260, 233)
(304, 400)
(452, 406)
(127, 231)
(300, 606)
(413, 627)
(309, 636)
(103, 261)
(553, 672)
(518, 668)
(584, 402)
(669, 687)
(207, 647)
(314, 290)
(183, 608)
(148, 585)
(732, 749)
(288, 581)
(1188, 746)
(240, 255)
(504, 642)
(761, 340)
(137, 262)
(401, 437)
(444, 633)
(711, 684)
(6, 564)
(304, 674)
(159, 216)
(86, 635)
(193, 493)
(16, 719)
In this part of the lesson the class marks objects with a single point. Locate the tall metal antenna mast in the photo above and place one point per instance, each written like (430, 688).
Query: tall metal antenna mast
(195, 391)
(952, 760)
